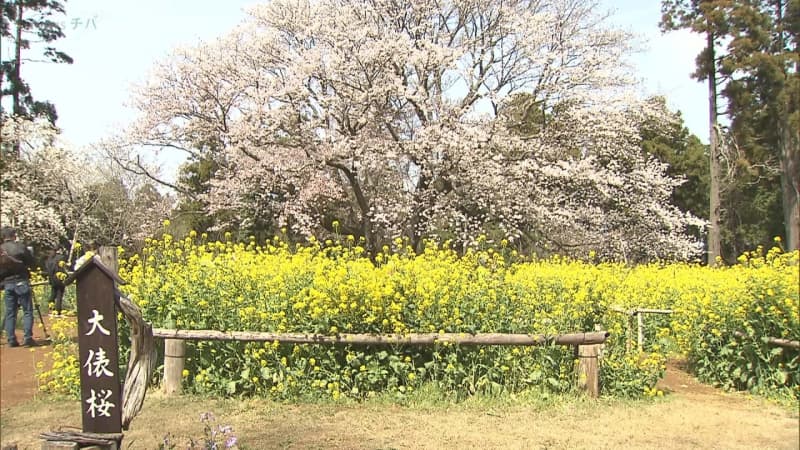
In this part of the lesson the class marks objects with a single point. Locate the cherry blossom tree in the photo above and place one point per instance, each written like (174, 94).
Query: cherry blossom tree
(51, 195)
(36, 221)
(387, 116)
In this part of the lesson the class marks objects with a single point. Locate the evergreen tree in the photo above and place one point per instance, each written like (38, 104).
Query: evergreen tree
(755, 65)
(687, 158)
(27, 22)
(194, 178)
(705, 17)
(764, 104)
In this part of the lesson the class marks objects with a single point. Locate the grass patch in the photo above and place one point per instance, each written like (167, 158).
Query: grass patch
(717, 420)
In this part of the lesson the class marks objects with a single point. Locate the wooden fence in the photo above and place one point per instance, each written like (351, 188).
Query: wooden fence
(777, 342)
(587, 347)
(639, 313)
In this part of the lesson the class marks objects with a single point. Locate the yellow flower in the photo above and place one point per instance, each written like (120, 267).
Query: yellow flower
(301, 288)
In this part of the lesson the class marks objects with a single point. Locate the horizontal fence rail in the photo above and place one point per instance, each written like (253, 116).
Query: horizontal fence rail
(595, 337)
(778, 342)
(587, 346)
(635, 311)
(639, 314)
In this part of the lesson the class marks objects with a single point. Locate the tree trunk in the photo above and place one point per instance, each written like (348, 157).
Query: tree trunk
(789, 139)
(714, 245)
(363, 205)
(790, 184)
(16, 107)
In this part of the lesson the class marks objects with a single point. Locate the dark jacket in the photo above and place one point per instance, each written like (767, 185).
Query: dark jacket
(51, 266)
(15, 262)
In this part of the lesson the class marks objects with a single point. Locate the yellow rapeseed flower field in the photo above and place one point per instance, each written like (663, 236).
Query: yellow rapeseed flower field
(334, 287)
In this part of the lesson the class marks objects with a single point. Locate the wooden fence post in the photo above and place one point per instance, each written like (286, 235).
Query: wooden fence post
(589, 369)
(640, 323)
(108, 256)
(98, 352)
(174, 355)
(628, 332)
(120, 401)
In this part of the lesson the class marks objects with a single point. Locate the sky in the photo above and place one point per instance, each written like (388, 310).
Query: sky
(116, 43)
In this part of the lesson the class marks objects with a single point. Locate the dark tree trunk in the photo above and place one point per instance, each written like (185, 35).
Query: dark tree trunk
(714, 214)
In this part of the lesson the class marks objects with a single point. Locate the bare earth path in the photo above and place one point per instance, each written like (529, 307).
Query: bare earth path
(17, 384)
(691, 416)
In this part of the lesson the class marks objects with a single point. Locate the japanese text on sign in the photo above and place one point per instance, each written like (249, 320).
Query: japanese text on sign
(99, 404)
(97, 364)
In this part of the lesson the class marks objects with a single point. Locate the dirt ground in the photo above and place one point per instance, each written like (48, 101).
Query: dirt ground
(690, 416)
(17, 385)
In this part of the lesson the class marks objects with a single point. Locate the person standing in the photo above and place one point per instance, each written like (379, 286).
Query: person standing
(55, 267)
(15, 264)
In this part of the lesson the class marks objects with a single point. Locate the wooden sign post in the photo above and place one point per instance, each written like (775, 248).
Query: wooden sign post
(101, 392)
(107, 407)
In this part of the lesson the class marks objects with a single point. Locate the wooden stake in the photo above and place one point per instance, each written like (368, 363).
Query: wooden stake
(174, 355)
(108, 255)
(628, 333)
(640, 322)
(589, 369)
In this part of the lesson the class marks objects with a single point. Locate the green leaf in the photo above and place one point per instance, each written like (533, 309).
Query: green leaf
(231, 387)
(169, 322)
(742, 376)
(246, 374)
